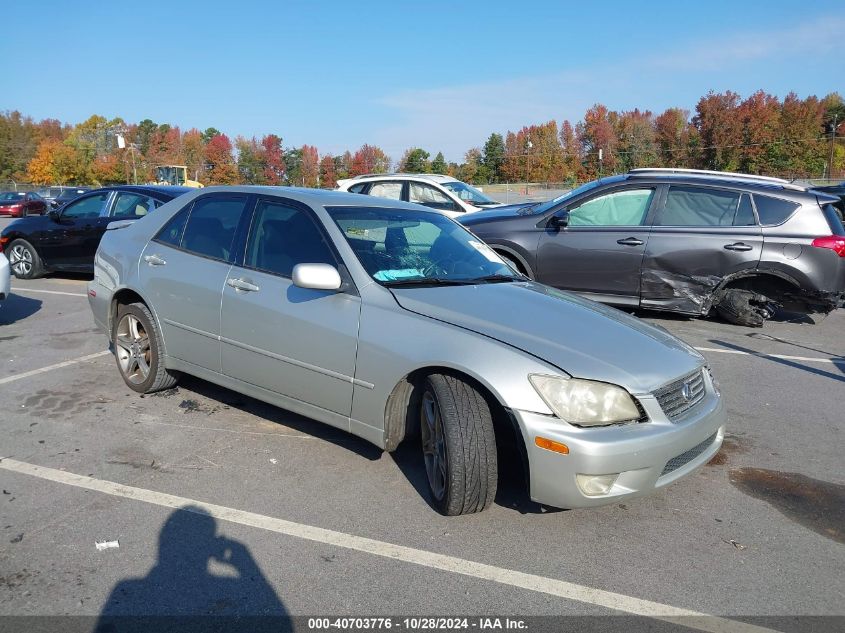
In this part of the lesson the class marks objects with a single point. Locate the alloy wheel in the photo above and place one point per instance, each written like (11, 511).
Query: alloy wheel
(433, 445)
(20, 259)
(132, 344)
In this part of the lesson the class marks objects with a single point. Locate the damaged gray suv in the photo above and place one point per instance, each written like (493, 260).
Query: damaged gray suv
(684, 241)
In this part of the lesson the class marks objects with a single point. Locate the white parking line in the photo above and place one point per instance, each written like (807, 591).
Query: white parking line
(66, 363)
(812, 359)
(50, 292)
(442, 562)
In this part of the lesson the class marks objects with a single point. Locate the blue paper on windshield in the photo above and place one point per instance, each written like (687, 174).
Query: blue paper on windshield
(395, 275)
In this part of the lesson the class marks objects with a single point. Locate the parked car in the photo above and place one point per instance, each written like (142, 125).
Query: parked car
(5, 277)
(67, 194)
(20, 204)
(430, 190)
(67, 239)
(380, 317)
(681, 240)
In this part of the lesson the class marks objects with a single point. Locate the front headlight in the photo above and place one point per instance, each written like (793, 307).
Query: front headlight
(586, 402)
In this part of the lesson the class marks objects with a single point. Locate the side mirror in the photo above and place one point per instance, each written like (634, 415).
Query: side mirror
(559, 220)
(316, 276)
(54, 215)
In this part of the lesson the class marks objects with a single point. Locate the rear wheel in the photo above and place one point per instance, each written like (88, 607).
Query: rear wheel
(24, 260)
(458, 444)
(137, 349)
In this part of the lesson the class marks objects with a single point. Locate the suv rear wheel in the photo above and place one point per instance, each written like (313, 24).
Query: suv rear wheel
(745, 307)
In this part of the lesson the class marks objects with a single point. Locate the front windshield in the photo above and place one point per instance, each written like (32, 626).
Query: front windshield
(468, 193)
(404, 247)
(11, 195)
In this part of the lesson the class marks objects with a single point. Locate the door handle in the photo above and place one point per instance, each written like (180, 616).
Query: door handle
(154, 260)
(241, 284)
(738, 246)
(630, 241)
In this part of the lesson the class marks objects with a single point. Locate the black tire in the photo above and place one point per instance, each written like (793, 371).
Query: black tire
(24, 260)
(745, 307)
(143, 350)
(468, 442)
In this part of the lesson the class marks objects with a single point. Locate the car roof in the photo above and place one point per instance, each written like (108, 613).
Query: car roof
(404, 175)
(696, 177)
(161, 191)
(322, 197)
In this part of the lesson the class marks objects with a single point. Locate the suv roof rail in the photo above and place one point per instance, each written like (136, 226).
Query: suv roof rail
(728, 175)
(402, 173)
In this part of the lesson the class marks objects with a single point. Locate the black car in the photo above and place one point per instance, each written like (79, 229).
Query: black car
(67, 194)
(839, 192)
(67, 239)
(685, 241)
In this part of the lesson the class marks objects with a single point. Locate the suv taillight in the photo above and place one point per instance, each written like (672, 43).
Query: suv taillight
(3, 242)
(836, 243)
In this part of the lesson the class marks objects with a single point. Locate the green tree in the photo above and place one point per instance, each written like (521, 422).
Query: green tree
(415, 161)
(493, 156)
(251, 163)
(438, 165)
(210, 133)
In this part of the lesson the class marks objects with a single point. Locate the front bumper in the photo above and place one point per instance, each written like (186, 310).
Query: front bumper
(646, 456)
(5, 277)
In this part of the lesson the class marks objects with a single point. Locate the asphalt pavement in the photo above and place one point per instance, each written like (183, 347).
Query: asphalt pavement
(223, 505)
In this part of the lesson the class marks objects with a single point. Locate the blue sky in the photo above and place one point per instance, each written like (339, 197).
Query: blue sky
(440, 75)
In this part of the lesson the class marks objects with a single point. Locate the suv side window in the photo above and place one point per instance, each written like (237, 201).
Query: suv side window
(89, 207)
(773, 210)
(627, 207)
(359, 188)
(699, 206)
(392, 190)
(428, 196)
(283, 236)
(131, 205)
(211, 227)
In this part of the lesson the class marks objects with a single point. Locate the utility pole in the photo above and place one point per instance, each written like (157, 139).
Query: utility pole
(832, 145)
(601, 156)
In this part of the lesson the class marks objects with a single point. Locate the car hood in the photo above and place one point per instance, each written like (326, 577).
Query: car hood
(581, 337)
(494, 213)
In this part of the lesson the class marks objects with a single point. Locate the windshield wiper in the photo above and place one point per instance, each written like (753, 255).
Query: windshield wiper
(423, 281)
(494, 279)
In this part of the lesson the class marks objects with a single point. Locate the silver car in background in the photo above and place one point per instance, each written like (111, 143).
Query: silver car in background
(5, 277)
(391, 321)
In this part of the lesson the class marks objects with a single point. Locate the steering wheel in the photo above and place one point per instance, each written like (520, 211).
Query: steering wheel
(443, 266)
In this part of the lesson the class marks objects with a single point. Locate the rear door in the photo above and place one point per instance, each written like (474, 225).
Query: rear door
(296, 342)
(699, 235)
(184, 269)
(599, 253)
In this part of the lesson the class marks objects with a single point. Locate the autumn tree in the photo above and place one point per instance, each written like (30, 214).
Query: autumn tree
(222, 169)
(415, 161)
(251, 163)
(274, 162)
(193, 148)
(720, 129)
(39, 171)
(310, 166)
(596, 133)
(328, 172)
(672, 135)
(369, 159)
(636, 142)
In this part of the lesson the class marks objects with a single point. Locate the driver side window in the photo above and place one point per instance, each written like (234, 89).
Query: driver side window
(89, 207)
(619, 208)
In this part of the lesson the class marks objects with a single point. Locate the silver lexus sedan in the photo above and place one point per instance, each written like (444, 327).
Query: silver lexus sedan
(391, 321)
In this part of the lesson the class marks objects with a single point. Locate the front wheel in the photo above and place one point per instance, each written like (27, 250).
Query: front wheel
(137, 349)
(24, 260)
(458, 445)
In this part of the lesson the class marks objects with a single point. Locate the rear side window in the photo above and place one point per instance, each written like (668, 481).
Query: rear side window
(359, 188)
(132, 205)
(773, 210)
(699, 206)
(210, 230)
(171, 233)
(282, 237)
(392, 190)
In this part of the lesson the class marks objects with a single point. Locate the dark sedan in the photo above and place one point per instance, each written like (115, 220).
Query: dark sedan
(839, 192)
(20, 204)
(67, 239)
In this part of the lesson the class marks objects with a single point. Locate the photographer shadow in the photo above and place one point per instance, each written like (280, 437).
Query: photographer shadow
(202, 581)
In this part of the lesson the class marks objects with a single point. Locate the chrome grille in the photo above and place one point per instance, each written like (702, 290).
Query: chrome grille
(685, 458)
(672, 399)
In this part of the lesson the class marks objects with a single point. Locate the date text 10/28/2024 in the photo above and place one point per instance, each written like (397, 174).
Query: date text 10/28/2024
(480, 623)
